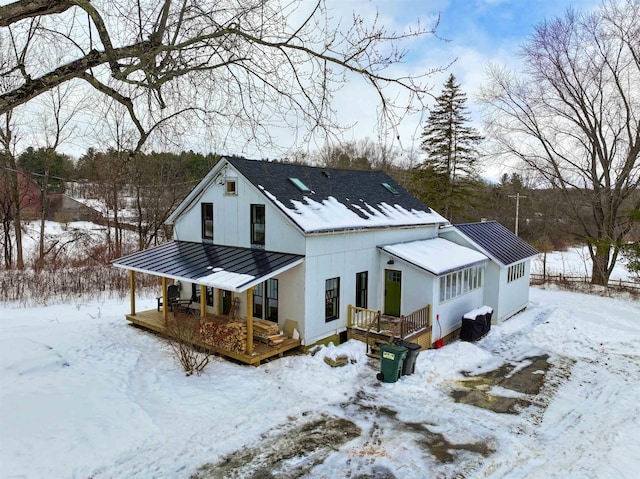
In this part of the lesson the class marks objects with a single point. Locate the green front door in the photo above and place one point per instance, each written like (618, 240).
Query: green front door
(392, 287)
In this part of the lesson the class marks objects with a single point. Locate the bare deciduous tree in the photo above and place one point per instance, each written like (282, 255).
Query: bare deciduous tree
(363, 154)
(239, 67)
(573, 116)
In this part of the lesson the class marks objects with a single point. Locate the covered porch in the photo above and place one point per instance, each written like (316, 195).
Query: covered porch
(153, 320)
(234, 271)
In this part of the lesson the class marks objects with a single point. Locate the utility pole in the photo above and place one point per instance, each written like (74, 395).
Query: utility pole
(517, 196)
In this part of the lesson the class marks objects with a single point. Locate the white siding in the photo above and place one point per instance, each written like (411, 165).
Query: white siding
(345, 254)
(495, 278)
(514, 295)
(506, 298)
(232, 219)
(290, 290)
(450, 313)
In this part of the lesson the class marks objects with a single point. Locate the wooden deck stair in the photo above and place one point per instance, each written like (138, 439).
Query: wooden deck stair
(375, 344)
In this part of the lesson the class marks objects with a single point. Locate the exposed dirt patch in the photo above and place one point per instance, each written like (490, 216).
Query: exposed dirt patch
(289, 453)
(526, 378)
(378, 472)
(385, 422)
(441, 448)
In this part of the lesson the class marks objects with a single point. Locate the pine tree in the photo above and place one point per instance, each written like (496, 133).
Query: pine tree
(450, 145)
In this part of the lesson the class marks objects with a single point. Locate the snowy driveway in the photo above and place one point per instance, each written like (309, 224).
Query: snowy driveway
(83, 394)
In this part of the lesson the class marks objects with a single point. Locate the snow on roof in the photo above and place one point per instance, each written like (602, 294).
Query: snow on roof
(436, 255)
(330, 214)
(222, 279)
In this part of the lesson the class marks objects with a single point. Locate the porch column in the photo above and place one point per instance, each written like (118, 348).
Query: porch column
(203, 301)
(164, 300)
(250, 320)
(132, 286)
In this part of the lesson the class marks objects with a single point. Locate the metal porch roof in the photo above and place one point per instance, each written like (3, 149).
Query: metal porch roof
(497, 242)
(224, 267)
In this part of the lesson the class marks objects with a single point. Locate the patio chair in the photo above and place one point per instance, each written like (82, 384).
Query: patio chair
(173, 294)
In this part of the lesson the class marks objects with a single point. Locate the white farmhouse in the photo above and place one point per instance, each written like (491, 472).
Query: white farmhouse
(321, 251)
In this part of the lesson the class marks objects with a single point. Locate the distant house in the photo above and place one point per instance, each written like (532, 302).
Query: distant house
(29, 196)
(322, 251)
(58, 206)
(63, 209)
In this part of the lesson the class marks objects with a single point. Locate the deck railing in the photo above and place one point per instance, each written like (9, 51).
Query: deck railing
(361, 318)
(415, 321)
(369, 320)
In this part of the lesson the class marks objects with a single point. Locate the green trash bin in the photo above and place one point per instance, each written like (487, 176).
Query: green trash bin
(391, 361)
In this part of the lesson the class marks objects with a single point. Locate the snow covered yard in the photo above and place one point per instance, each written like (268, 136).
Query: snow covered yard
(576, 262)
(83, 394)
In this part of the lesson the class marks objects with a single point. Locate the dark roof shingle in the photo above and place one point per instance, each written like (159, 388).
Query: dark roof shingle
(346, 186)
(498, 241)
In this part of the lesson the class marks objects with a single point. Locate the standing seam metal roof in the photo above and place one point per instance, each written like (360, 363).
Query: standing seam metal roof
(498, 241)
(195, 261)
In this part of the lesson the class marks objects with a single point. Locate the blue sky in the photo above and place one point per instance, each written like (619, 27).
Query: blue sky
(479, 32)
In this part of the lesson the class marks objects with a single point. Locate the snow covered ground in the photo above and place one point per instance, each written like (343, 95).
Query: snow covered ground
(576, 262)
(83, 394)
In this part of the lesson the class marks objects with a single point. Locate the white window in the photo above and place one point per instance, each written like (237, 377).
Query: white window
(515, 271)
(461, 282)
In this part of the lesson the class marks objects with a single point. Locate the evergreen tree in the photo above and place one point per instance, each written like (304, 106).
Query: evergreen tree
(450, 145)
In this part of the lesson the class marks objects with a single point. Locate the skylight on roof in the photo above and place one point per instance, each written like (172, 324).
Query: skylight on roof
(390, 188)
(300, 185)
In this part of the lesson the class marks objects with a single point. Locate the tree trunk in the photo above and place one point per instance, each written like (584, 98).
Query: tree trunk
(600, 265)
(43, 214)
(116, 223)
(17, 218)
(7, 243)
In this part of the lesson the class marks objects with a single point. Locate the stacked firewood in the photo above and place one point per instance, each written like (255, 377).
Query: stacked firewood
(268, 332)
(229, 336)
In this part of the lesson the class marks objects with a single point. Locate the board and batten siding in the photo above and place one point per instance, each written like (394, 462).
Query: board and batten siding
(343, 254)
(232, 218)
(514, 294)
(451, 311)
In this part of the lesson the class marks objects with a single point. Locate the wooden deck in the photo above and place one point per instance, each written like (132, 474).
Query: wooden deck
(153, 321)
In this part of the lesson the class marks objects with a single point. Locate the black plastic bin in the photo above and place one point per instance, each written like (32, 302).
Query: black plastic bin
(487, 319)
(413, 349)
(473, 329)
(476, 327)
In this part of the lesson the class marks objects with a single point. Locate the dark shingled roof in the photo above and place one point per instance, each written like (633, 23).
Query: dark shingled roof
(346, 186)
(498, 241)
(190, 261)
